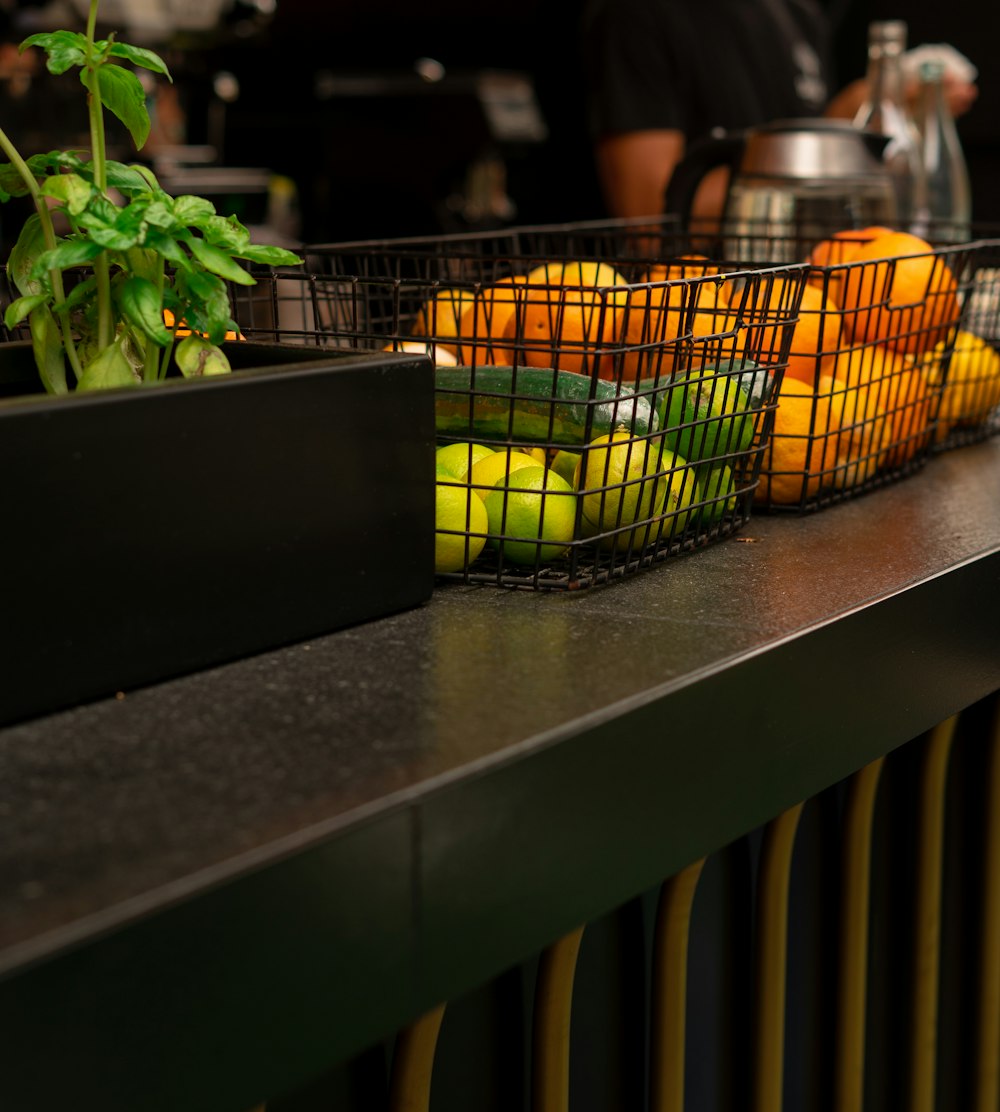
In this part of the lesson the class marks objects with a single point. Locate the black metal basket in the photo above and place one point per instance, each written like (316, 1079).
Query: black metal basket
(625, 392)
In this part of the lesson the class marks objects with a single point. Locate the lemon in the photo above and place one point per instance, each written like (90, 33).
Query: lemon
(534, 512)
(971, 383)
(618, 478)
(458, 518)
(485, 473)
(457, 458)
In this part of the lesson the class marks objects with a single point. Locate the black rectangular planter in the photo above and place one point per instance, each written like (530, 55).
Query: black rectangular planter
(153, 531)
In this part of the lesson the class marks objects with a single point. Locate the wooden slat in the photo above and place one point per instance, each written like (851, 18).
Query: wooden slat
(987, 1082)
(771, 960)
(553, 1008)
(853, 970)
(927, 918)
(413, 1063)
(669, 990)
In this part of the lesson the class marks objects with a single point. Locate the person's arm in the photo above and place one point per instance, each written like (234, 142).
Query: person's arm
(634, 168)
(959, 96)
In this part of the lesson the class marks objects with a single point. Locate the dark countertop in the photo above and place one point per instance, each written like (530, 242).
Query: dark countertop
(362, 787)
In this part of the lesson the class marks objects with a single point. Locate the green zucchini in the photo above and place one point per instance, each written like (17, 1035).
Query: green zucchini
(535, 404)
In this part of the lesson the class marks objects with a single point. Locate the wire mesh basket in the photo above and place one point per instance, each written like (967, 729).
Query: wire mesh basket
(602, 401)
(893, 356)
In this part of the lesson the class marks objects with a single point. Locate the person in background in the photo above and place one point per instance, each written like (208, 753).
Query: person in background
(665, 72)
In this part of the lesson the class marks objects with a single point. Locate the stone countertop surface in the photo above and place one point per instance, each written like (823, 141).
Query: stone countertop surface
(112, 807)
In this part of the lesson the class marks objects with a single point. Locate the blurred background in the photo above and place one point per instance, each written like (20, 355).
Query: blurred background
(353, 120)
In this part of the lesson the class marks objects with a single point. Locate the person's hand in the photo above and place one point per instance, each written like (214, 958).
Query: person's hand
(959, 95)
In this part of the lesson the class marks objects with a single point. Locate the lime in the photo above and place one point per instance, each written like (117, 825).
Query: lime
(533, 506)
(718, 490)
(458, 518)
(457, 458)
(486, 472)
(618, 477)
(682, 492)
(565, 464)
(704, 415)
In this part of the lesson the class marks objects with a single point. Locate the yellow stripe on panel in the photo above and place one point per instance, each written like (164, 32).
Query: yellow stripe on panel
(927, 923)
(771, 959)
(413, 1063)
(988, 1049)
(669, 996)
(849, 1069)
(553, 1009)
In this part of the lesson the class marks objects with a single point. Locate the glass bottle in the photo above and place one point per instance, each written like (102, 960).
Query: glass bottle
(884, 110)
(949, 195)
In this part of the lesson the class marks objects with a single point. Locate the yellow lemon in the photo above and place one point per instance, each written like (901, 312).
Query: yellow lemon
(458, 458)
(486, 472)
(460, 524)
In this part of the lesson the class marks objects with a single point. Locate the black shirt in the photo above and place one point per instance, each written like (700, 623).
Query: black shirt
(694, 65)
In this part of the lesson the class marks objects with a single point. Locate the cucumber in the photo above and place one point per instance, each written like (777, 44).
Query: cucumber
(534, 404)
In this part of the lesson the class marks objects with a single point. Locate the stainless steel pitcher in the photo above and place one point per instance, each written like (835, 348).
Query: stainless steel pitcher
(791, 182)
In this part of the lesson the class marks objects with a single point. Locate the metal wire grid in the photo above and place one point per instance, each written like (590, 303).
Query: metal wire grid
(575, 364)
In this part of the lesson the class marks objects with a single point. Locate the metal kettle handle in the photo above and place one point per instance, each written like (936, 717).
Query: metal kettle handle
(701, 156)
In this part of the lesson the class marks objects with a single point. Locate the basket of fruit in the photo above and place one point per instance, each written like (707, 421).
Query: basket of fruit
(889, 359)
(601, 403)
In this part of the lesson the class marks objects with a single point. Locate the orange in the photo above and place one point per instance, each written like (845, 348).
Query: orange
(840, 248)
(766, 308)
(183, 330)
(906, 400)
(897, 290)
(816, 337)
(485, 320)
(439, 316)
(658, 315)
(864, 432)
(802, 452)
(570, 311)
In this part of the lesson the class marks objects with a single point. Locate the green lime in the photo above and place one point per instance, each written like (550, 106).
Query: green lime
(705, 415)
(533, 511)
(565, 464)
(618, 478)
(718, 490)
(682, 492)
(490, 469)
(459, 457)
(755, 381)
(461, 524)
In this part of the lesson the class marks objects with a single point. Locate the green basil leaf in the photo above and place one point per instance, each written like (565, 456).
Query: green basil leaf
(46, 343)
(139, 56)
(168, 247)
(24, 254)
(66, 253)
(123, 95)
(11, 182)
(203, 301)
(109, 368)
(81, 293)
(19, 309)
(126, 179)
(142, 305)
(197, 357)
(64, 49)
(218, 262)
(225, 232)
(191, 210)
(270, 256)
(71, 189)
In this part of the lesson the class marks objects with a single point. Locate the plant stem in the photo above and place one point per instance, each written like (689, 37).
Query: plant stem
(49, 234)
(95, 113)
